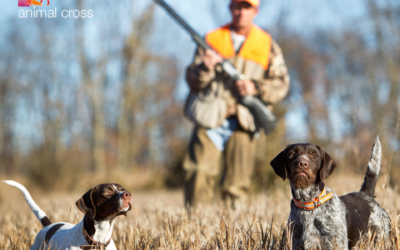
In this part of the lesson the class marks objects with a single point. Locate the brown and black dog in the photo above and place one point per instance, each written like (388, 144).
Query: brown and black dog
(321, 219)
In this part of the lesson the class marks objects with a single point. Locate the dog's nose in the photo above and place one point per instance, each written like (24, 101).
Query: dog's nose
(126, 195)
(303, 164)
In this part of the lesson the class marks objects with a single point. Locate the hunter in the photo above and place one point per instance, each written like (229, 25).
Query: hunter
(233, 133)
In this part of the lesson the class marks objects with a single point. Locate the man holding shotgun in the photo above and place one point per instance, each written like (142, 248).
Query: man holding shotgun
(259, 58)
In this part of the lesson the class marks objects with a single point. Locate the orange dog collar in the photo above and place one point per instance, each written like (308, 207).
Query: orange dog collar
(318, 201)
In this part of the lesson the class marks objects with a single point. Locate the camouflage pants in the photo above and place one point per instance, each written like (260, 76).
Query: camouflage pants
(203, 163)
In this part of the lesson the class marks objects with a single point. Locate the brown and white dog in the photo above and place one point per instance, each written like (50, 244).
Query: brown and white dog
(320, 219)
(101, 205)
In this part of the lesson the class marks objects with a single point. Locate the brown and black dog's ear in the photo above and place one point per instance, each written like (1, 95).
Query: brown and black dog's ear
(278, 163)
(327, 164)
(85, 204)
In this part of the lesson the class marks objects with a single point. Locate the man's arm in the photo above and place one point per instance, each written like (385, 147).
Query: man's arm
(200, 73)
(275, 85)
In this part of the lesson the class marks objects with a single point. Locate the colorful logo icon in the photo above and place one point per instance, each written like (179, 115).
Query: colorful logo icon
(27, 3)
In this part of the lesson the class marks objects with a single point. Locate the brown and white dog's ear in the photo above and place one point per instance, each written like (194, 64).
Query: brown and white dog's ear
(327, 164)
(85, 204)
(278, 164)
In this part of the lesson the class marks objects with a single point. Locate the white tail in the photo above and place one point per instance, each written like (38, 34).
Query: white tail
(35, 208)
(373, 168)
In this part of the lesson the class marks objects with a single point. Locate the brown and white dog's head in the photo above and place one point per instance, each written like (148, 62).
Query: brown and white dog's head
(303, 164)
(104, 201)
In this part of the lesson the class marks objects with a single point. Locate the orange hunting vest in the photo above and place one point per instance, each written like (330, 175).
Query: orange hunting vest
(256, 47)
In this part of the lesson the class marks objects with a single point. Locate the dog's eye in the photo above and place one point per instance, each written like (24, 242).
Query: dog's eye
(313, 154)
(107, 192)
(291, 154)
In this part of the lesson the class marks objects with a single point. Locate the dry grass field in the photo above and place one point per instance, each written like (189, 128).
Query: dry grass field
(158, 219)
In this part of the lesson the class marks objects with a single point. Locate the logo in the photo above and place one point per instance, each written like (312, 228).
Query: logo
(48, 13)
(27, 3)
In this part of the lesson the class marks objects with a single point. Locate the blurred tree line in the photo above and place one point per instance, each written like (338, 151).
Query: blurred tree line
(80, 97)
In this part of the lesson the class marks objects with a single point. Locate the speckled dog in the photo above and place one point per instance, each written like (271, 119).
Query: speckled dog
(319, 218)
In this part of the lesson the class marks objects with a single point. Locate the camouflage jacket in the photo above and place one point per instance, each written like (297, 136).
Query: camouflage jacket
(272, 84)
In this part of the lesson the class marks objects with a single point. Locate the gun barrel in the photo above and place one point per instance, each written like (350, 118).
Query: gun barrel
(226, 65)
(196, 37)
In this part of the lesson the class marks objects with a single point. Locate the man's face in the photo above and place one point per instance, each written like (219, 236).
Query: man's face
(243, 14)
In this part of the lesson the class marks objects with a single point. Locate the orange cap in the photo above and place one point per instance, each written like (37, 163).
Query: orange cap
(254, 3)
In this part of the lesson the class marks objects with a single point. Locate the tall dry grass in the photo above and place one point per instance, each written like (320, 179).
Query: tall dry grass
(158, 219)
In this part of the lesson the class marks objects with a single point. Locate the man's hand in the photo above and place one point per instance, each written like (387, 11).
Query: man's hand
(245, 87)
(211, 58)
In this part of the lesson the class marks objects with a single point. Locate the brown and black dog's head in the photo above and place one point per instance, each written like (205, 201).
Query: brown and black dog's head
(105, 200)
(303, 164)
